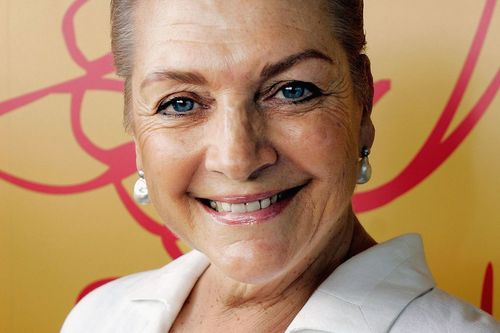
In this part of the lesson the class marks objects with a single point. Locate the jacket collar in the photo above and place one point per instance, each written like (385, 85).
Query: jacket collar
(369, 291)
(170, 285)
(364, 294)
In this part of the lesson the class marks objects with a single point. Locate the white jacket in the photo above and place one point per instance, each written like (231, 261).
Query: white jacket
(387, 288)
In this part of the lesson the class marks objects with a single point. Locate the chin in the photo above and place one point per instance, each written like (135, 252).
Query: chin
(252, 261)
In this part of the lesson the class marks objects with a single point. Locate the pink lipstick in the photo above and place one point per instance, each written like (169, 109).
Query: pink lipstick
(248, 209)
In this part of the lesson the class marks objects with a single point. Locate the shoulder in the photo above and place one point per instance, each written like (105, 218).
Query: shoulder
(135, 299)
(438, 311)
(104, 303)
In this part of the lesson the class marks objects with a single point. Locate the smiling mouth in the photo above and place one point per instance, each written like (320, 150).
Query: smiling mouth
(252, 206)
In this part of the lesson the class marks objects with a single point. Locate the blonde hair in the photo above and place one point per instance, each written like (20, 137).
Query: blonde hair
(122, 46)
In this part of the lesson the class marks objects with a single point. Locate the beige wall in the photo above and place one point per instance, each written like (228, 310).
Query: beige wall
(52, 245)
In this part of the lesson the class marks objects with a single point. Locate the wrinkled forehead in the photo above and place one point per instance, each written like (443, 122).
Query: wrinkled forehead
(236, 34)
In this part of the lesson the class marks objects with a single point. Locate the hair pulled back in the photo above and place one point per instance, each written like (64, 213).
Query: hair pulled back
(347, 27)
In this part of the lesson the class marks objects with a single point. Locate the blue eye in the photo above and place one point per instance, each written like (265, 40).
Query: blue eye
(177, 105)
(293, 91)
(298, 92)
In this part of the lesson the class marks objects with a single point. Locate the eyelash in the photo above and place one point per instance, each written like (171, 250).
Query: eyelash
(164, 104)
(314, 92)
(312, 88)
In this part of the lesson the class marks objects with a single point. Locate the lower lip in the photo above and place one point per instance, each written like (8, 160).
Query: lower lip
(257, 217)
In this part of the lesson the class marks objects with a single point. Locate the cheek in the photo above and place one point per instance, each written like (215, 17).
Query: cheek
(166, 161)
(169, 160)
(320, 144)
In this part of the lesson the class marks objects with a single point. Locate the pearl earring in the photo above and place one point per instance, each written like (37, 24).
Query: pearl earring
(365, 169)
(141, 195)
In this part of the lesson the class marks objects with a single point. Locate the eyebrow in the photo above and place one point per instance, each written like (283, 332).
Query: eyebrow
(279, 67)
(267, 72)
(179, 76)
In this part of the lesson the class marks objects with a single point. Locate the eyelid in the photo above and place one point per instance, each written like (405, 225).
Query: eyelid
(272, 91)
(200, 102)
(164, 107)
(272, 88)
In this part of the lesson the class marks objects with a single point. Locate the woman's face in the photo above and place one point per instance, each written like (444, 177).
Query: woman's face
(247, 129)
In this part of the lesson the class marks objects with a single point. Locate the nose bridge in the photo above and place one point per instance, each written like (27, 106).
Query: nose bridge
(239, 132)
(236, 149)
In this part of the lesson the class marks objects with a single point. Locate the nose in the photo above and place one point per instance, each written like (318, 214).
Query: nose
(238, 146)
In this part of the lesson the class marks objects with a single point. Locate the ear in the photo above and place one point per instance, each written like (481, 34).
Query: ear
(138, 157)
(367, 130)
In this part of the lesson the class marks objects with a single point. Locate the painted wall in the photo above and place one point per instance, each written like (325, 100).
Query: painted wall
(67, 221)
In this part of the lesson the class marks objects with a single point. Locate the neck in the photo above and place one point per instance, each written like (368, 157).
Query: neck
(276, 303)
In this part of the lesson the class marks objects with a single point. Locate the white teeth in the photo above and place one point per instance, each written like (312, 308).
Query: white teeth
(226, 207)
(238, 208)
(265, 203)
(253, 206)
(244, 207)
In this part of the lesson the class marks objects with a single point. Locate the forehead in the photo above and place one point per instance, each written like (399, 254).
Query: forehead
(230, 34)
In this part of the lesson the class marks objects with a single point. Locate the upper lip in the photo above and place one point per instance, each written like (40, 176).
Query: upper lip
(243, 198)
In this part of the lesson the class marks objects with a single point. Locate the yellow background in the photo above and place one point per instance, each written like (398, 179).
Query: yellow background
(51, 246)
